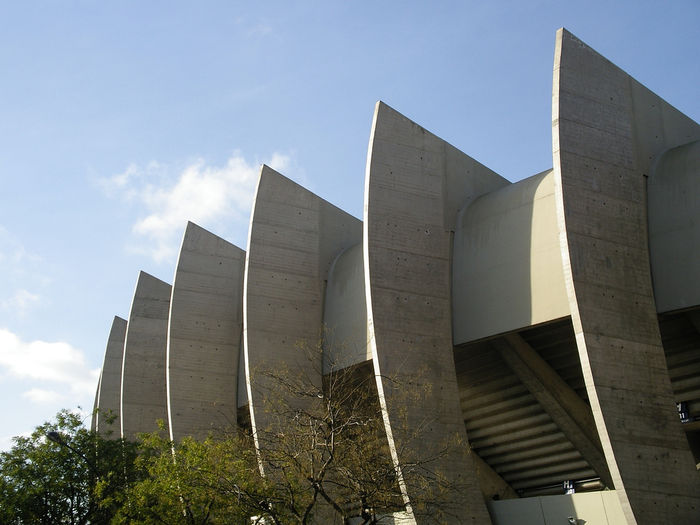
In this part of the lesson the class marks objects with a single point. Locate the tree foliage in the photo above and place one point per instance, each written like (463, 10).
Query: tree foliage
(318, 454)
(73, 481)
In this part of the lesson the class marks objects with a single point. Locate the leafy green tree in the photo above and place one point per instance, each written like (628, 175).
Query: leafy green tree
(70, 480)
(322, 457)
(192, 482)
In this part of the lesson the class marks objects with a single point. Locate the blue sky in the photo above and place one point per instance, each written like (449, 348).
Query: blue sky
(119, 121)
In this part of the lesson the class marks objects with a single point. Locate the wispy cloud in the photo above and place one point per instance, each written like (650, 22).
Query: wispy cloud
(23, 273)
(259, 30)
(207, 195)
(42, 396)
(20, 302)
(56, 366)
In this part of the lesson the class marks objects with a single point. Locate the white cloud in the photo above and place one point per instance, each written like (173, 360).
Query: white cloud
(59, 364)
(20, 302)
(41, 396)
(24, 275)
(206, 195)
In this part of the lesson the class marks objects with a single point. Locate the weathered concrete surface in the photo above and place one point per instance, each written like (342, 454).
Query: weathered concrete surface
(345, 313)
(204, 335)
(506, 270)
(93, 418)
(143, 394)
(606, 130)
(415, 184)
(294, 238)
(674, 228)
(110, 387)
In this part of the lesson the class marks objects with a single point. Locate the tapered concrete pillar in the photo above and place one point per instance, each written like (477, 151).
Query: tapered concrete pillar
(93, 418)
(294, 238)
(143, 393)
(415, 184)
(107, 419)
(607, 129)
(204, 335)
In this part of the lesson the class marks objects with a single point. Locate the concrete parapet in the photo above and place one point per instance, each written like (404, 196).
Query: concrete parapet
(345, 313)
(414, 186)
(607, 128)
(506, 268)
(107, 418)
(143, 393)
(204, 335)
(674, 229)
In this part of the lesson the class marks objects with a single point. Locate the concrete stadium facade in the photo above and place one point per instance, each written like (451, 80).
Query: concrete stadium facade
(552, 324)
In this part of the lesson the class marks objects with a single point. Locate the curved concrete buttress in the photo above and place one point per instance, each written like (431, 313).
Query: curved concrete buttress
(345, 313)
(294, 238)
(506, 270)
(674, 228)
(143, 393)
(607, 128)
(93, 419)
(109, 391)
(242, 387)
(204, 334)
(415, 184)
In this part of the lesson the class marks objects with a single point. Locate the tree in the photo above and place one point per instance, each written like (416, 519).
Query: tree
(190, 482)
(325, 451)
(72, 480)
(321, 457)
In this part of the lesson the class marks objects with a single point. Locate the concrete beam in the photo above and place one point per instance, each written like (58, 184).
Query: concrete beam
(414, 186)
(493, 486)
(143, 393)
(294, 238)
(204, 335)
(571, 414)
(109, 391)
(607, 128)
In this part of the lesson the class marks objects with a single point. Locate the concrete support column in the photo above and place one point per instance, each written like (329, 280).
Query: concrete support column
(204, 335)
(143, 394)
(107, 419)
(607, 129)
(294, 238)
(415, 183)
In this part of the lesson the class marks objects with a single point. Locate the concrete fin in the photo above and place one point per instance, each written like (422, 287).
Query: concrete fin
(607, 129)
(294, 238)
(204, 334)
(143, 383)
(415, 184)
(107, 420)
